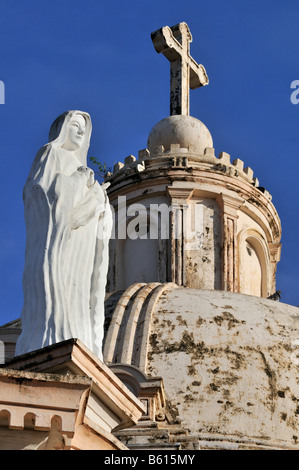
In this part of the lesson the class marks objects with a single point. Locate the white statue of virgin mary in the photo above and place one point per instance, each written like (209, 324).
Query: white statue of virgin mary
(68, 226)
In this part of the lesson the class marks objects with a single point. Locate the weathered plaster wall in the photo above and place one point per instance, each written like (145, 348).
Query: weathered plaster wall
(144, 257)
(229, 365)
(203, 248)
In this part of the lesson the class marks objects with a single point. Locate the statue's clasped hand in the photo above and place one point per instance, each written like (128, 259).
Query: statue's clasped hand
(89, 175)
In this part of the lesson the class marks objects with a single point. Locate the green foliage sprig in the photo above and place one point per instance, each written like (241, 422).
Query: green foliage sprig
(102, 169)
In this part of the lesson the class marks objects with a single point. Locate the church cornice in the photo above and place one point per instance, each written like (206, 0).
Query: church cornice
(203, 180)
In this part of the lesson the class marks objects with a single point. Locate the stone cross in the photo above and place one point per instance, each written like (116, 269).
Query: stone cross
(185, 73)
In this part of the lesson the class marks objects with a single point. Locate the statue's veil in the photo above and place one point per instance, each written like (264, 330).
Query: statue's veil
(48, 162)
(58, 133)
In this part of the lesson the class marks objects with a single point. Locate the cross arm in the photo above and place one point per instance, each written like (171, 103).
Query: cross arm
(165, 42)
(185, 73)
(198, 75)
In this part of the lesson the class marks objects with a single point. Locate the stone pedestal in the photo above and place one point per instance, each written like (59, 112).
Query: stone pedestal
(63, 397)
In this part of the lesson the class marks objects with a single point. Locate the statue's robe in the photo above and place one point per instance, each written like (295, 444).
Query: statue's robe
(68, 225)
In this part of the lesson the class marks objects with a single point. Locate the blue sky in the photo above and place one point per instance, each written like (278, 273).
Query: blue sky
(98, 57)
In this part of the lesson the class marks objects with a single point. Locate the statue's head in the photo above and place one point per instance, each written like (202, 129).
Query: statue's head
(76, 128)
(71, 131)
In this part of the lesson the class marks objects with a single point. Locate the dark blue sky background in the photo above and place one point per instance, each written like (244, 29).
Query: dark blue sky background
(98, 57)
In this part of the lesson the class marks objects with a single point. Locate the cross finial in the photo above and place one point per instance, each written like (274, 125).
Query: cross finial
(185, 73)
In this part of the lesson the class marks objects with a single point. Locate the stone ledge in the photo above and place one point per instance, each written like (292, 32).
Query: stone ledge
(67, 382)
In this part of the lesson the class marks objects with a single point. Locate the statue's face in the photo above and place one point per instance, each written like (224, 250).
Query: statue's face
(75, 133)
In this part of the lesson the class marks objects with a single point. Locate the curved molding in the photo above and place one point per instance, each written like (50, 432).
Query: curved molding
(147, 322)
(132, 316)
(112, 334)
(129, 342)
(257, 241)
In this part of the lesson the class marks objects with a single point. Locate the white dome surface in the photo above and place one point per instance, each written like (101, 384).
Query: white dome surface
(182, 130)
(228, 361)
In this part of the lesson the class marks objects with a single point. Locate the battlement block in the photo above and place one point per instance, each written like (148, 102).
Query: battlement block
(209, 152)
(238, 163)
(249, 172)
(130, 159)
(256, 182)
(174, 147)
(118, 166)
(159, 149)
(144, 153)
(225, 158)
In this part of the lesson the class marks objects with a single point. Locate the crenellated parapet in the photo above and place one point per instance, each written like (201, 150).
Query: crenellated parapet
(184, 158)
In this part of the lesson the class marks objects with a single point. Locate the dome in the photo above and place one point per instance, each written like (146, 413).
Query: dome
(182, 130)
(234, 355)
